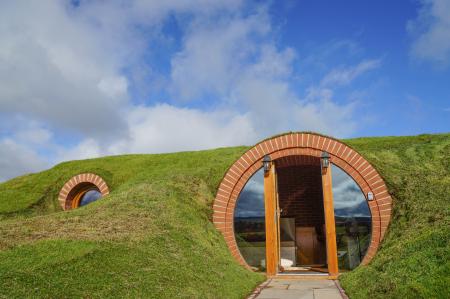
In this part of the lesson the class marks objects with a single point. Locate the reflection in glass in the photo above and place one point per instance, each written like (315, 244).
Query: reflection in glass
(90, 196)
(249, 221)
(353, 220)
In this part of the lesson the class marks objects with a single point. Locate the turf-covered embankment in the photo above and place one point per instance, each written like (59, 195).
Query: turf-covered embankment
(152, 236)
(414, 258)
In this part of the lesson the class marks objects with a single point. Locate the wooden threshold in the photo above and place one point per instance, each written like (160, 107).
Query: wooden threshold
(304, 276)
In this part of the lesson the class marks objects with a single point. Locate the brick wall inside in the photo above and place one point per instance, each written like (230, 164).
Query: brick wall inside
(300, 194)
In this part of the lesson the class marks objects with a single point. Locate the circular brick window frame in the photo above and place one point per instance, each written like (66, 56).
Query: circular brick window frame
(80, 183)
(305, 144)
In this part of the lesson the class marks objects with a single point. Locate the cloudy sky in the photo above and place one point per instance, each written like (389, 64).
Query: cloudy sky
(83, 79)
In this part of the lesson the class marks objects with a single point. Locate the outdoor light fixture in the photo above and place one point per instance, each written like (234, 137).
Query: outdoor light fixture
(266, 163)
(369, 195)
(325, 160)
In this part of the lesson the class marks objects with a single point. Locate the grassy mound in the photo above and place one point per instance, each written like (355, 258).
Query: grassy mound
(414, 259)
(152, 236)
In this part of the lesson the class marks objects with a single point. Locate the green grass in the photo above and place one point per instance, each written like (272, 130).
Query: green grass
(414, 259)
(152, 237)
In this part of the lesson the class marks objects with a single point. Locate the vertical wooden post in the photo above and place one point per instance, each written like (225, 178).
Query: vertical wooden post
(330, 226)
(277, 217)
(271, 226)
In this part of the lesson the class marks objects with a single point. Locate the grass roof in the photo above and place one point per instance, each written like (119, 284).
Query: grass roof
(153, 237)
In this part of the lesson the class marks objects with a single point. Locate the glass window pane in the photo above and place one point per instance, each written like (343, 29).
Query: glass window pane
(249, 221)
(90, 196)
(353, 220)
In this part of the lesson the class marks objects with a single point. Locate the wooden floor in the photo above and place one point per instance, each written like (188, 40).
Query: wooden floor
(306, 273)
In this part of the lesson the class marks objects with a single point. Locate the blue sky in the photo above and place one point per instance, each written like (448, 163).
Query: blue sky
(81, 79)
(405, 94)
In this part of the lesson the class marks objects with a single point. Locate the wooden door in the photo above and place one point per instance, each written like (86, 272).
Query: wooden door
(330, 226)
(272, 221)
(278, 216)
(306, 241)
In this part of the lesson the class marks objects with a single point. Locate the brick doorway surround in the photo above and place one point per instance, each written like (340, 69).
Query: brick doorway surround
(302, 144)
(77, 183)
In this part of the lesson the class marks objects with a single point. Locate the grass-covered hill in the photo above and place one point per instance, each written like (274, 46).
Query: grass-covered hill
(152, 237)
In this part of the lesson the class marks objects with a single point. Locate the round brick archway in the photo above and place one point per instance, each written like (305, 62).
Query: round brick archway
(77, 183)
(303, 144)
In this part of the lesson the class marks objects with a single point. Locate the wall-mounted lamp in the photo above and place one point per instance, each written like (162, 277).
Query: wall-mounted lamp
(369, 195)
(325, 161)
(266, 163)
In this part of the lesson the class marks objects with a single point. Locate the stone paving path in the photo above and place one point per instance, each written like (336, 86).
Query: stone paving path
(299, 289)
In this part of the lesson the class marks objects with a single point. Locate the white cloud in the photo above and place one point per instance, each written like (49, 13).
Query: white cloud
(87, 148)
(214, 55)
(51, 65)
(31, 133)
(236, 63)
(16, 159)
(327, 117)
(165, 128)
(114, 87)
(230, 82)
(343, 76)
(432, 32)
(63, 64)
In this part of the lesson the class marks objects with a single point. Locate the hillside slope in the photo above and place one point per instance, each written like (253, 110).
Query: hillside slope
(414, 259)
(152, 236)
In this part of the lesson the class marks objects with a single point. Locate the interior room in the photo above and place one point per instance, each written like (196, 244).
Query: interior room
(302, 222)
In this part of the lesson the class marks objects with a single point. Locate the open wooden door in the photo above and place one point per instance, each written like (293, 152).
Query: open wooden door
(277, 217)
(330, 226)
(272, 221)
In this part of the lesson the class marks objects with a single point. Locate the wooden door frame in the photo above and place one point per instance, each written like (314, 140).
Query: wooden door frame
(330, 225)
(272, 225)
(270, 198)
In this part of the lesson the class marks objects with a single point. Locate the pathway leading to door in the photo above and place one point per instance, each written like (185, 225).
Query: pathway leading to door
(299, 289)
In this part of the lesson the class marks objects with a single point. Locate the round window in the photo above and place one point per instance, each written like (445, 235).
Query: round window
(81, 190)
(86, 196)
(89, 196)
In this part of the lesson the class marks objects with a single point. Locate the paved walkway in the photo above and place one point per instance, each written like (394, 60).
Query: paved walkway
(299, 289)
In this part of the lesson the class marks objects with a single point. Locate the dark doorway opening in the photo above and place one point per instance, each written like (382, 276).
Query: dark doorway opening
(302, 221)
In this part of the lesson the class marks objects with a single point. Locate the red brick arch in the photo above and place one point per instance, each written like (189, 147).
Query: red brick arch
(77, 183)
(303, 144)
